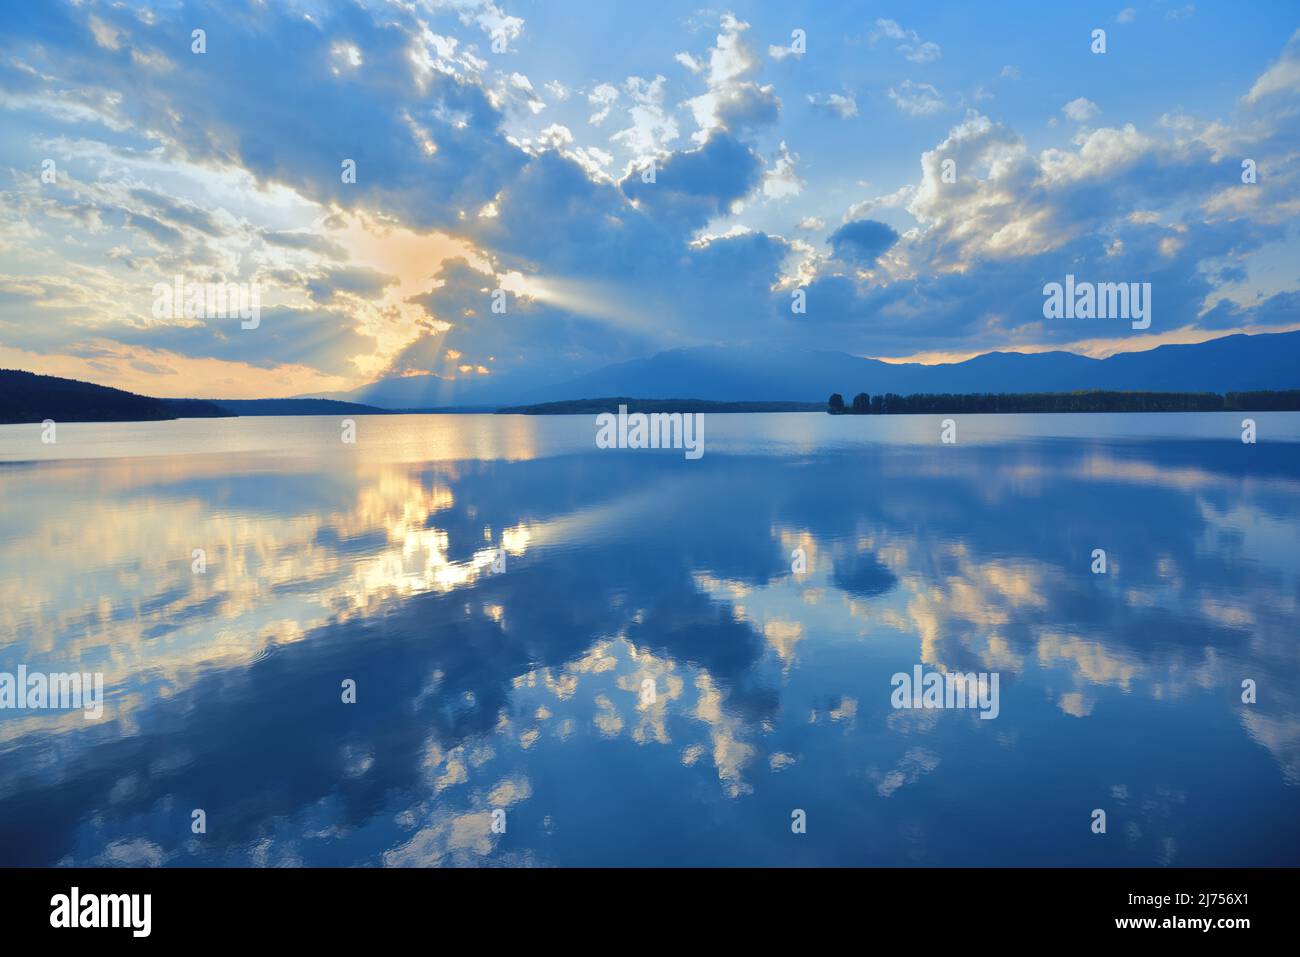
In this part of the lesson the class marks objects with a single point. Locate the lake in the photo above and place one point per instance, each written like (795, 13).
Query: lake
(480, 640)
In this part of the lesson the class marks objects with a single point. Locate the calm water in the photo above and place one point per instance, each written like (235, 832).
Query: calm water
(525, 690)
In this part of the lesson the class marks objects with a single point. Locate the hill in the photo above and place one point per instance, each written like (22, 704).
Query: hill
(296, 407)
(596, 406)
(28, 397)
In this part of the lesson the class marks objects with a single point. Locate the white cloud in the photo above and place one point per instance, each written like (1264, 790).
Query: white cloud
(603, 97)
(1283, 76)
(731, 58)
(1101, 153)
(782, 180)
(1127, 15)
(490, 18)
(435, 53)
(594, 160)
(105, 34)
(926, 52)
(1080, 110)
(733, 99)
(555, 136)
(898, 199)
(917, 99)
(344, 57)
(910, 43)
(522, 90)
(843, 106)
(652, 128)
(688, 61)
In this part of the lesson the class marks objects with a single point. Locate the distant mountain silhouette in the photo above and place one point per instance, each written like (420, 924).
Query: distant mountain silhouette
(295, 407)
(1237, 363)
(1231, 363)
(27, 397)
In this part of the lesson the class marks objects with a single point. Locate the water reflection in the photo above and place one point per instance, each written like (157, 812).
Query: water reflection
(526, 690)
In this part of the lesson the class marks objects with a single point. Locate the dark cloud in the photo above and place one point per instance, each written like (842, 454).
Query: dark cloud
(862, 242)
(694, 186)
(356, 280)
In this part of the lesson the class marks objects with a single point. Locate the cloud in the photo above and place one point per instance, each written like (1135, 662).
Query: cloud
(862, 242)
(973, 269)
(1080, 110)
(216, 110)
(910, 43)
(595, 255)
(733, 101)
(485, 14)
(652, 127)
(603, 97)
(321, 339)
(533, 343)
(178, 212)
(105, 35)
(1127, 15)
(842, 105)
(693, 187)
(917, 99)
(781, 180)
(357, 281)
(519, 89)
(1282, 77)
(308, 241)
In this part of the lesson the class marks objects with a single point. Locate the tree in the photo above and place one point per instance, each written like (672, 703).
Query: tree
(837, 403)
(861, 403)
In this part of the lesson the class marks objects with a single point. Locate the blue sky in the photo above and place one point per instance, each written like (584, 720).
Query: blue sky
(502, 146)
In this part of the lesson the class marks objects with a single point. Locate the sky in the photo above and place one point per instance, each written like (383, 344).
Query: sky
(623, 179)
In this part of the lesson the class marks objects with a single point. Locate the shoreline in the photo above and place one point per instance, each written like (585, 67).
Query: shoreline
(466, 412)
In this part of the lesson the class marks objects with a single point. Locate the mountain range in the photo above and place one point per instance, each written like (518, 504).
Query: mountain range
(1231, 363)
(742, 379)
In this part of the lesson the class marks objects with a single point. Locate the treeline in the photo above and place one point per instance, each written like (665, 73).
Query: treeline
(947, 403)
(1285, 401)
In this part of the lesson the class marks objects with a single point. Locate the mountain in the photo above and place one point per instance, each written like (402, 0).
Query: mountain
(628, 404)
(27, 397)
(296, 407)
(432, 393)
(1230, 363)
(1236, 363)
